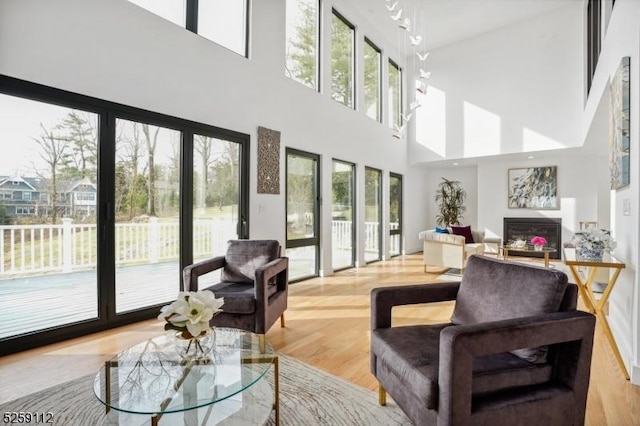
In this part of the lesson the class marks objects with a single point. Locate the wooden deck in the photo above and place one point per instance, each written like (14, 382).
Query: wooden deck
(34, 303)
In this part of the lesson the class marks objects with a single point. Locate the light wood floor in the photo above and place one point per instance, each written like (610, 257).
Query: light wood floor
(327, 325)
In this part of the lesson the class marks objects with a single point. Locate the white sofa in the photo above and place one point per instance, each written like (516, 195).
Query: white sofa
(450, 251)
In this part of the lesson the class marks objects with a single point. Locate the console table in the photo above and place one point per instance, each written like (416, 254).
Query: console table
(586, 292)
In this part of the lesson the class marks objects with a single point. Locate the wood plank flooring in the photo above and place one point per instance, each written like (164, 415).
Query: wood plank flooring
(327, 325)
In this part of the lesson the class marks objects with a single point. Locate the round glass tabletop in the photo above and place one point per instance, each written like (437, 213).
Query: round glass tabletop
(151, 378)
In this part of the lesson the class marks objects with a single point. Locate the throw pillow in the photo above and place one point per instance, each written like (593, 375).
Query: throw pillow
(441, 230)
(465, 231)
(494, 290)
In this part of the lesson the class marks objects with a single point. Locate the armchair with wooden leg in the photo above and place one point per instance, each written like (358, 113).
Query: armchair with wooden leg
(253, 282)
(515, 352)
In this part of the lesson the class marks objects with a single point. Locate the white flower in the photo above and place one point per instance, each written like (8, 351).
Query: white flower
(191, 312)
(594, 238)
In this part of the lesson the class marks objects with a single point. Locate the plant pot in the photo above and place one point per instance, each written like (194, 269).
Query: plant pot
(538, 248)
(583, 253)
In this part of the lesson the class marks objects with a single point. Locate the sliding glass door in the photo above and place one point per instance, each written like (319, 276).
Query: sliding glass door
(147, 220)
(48, 229)
(395, 214)
(342, 213)
(102, 206)
(217, 216)
(303, 213)
(373, 214)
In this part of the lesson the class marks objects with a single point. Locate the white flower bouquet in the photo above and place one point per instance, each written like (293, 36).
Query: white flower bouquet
(191, 312)
(593, 239)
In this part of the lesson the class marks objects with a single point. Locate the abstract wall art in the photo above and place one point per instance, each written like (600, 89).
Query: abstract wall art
(533, 188)
(619, 142)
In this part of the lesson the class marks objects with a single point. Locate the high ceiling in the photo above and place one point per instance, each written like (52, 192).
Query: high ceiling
(441, 22)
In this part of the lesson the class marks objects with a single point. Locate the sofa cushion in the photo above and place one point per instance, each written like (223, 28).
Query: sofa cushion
(243, 257)
(441, 230)
(494, 290)
(465, 231)
(410, 355)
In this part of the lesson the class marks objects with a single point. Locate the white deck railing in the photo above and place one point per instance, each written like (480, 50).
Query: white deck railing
(32, 249)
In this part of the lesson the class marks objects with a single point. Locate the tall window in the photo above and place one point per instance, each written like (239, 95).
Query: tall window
(372, 214)
(372, 79)
(224, 22)
(302, 45)
(394, 94)
(594, 24)
(342, 60)
(303, 213)
(395, 214)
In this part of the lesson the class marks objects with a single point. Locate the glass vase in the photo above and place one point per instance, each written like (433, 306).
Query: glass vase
(195, 348)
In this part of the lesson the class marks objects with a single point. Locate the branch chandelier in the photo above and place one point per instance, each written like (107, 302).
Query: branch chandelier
(410, 38)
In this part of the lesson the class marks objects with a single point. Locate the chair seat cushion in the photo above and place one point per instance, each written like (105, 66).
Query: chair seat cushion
(475, 248)
(416, 366)
(239, 298)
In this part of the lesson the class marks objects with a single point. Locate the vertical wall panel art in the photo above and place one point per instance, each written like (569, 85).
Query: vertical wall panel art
(268, 161)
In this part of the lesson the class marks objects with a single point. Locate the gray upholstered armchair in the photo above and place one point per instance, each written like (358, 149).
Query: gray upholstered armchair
(254, 284)
(516, 351)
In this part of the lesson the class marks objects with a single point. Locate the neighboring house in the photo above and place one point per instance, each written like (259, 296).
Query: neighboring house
(29, 196)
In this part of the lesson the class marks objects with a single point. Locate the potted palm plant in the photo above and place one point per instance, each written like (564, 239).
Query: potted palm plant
(450, 198)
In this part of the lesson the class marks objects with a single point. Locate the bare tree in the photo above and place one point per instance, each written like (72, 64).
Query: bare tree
(151, 141)
(54, 152)
(202, 145)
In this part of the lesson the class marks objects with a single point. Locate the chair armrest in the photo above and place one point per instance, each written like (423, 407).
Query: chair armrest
(191, 273)
(385, 298)
(276, 268)
(460, 344)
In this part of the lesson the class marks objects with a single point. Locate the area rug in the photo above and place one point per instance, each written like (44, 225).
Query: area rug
(308, 396)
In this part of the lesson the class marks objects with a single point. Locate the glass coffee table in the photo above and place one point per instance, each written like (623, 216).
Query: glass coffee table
(150, 383)
(527, 249)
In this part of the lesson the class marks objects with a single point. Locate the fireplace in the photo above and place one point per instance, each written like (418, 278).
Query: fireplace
(523, 228)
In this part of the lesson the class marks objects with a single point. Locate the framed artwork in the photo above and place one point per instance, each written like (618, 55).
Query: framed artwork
(619, 126)
(533, 188)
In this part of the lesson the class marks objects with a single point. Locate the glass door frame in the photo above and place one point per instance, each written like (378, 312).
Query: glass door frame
(315, 240)
(354, 216)
(380, 210)
(398, 231)
(107, 113)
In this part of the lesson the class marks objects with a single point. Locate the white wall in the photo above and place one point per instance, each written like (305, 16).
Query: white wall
(515, 89)
(116, 51)
(622, 38)
(577, 192)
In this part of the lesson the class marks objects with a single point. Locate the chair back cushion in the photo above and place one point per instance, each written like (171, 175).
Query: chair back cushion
(494, 290)
(243, 257)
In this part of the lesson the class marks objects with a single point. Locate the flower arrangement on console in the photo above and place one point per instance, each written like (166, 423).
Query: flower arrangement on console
(539, 241)
(593, 239)
(191, 312)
